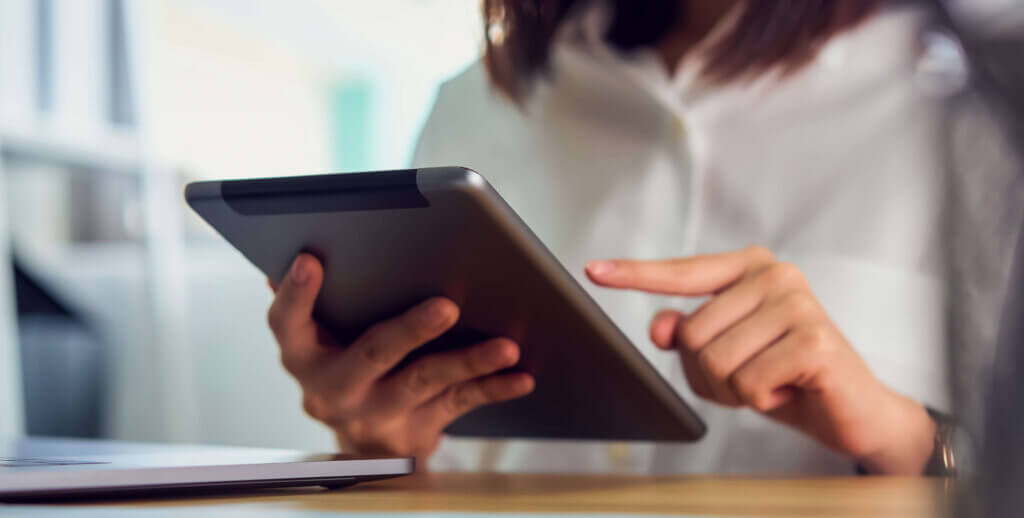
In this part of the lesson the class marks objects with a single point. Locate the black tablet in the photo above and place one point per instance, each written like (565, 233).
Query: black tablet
(413, 234)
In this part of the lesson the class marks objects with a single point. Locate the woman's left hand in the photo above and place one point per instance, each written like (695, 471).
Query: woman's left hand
(762, 340)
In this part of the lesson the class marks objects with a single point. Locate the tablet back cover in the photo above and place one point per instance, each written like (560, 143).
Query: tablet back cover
(391, 239)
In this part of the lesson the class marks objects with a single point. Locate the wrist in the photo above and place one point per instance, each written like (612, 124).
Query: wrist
(910, 439)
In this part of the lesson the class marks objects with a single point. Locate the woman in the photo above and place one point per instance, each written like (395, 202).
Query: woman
(686, 129)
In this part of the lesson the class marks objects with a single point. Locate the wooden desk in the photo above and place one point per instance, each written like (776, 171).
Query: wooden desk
(875, 497)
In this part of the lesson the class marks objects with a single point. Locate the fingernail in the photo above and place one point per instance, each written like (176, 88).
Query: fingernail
(600, 267)
(299, 273)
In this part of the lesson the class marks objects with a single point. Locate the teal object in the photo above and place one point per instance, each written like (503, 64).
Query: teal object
(351, 110)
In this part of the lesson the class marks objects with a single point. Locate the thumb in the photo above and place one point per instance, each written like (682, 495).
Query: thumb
(291, 314)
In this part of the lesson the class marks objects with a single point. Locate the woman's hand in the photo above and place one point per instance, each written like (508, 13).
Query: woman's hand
(349, 387)
(762, 340)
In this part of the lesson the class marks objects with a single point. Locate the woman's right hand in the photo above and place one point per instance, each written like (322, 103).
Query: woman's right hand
(349, 387)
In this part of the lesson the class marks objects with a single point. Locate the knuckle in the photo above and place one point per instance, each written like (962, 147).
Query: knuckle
(376, 438)
(691, 335)
(378, 441)
(372, 346)
(749, 391)
(760, 253)
(376, 333)
(374, 355)
(275, 318)
(731, 400)
(459, 399)
(360, 435)
(346, 405)
(451, 401)
(782, 274)
(814, 340)
(289, 363)
(799, 304)
(316, 406)
(700, 388)
(711, 363)
(421, 377)
(404, 447)
(744, 386)
(760, 402)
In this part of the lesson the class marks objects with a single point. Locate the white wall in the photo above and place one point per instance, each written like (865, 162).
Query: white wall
(225, 103)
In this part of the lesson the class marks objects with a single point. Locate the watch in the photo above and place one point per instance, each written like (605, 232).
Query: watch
(952, 447)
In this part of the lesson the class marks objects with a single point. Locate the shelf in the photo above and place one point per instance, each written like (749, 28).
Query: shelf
(110, 149)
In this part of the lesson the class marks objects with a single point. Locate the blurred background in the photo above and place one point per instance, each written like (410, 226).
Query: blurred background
(128, 317)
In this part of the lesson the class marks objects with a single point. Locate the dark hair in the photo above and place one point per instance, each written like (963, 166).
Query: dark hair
(768, 34)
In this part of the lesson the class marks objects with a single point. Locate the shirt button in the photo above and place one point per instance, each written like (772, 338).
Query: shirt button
(679, 126)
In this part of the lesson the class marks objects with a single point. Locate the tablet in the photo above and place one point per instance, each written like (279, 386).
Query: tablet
(391, 239)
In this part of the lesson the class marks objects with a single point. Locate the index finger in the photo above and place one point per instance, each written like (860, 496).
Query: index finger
(692, 276)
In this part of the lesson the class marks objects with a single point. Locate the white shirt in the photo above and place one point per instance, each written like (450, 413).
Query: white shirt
(832, 168)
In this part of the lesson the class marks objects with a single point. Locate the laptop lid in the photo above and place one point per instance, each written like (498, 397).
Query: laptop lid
(41, 469)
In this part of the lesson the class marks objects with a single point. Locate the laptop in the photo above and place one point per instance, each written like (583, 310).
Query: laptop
(49, 469)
